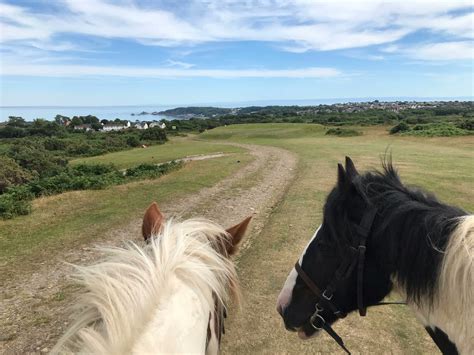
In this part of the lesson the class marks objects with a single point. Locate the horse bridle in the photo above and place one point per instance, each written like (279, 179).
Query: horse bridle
(325, 298)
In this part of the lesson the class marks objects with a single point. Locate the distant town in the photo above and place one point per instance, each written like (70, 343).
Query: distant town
(350, 107)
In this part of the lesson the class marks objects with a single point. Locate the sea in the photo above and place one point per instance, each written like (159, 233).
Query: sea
(126, 112)
(30, 113)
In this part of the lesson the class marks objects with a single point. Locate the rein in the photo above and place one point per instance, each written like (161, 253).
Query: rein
(325, 297)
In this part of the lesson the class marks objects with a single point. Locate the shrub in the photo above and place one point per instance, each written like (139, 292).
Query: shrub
(154, 134)
(12, 174)
(133, 141)
(401, 127)
(467, 124)
(152, 170)
(33, 157)
(54, 143)
(343, 132)
(437, 130)
(15, 202)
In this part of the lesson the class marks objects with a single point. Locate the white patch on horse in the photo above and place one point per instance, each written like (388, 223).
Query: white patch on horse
(284, 298)
(156, 298)
(453, 306)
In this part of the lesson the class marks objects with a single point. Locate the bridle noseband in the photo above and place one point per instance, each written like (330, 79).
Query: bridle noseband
(325, 298)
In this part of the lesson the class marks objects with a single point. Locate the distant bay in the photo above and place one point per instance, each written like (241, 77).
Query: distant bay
(102, 112)
(125, 112)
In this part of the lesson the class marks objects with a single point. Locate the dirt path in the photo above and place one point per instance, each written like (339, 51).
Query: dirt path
(34, 308)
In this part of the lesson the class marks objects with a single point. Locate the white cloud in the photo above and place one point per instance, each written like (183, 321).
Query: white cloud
(161, 72)
(179, 64)
(296, 26)
(442, 51)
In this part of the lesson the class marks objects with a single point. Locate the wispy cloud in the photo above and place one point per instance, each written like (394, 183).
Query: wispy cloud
(443, 51)
(298, 26)
(179, 64)
(162, 72)
(437, 51)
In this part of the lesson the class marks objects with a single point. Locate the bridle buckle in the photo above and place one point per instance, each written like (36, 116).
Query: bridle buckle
(313, 318)
(326, 297)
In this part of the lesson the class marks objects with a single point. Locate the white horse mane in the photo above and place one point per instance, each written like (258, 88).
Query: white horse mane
(123, 291)
(453, 309)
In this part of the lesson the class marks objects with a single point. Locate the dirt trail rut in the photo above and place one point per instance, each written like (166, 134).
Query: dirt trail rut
(34, 309)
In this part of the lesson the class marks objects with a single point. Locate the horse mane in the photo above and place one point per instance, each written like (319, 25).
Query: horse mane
(416, 226)
(124, 290)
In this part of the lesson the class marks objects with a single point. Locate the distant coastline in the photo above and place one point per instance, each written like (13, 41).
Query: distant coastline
(157, 112)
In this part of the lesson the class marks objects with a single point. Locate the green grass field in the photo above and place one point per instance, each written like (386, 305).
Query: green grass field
(176, 148)
(443, 165)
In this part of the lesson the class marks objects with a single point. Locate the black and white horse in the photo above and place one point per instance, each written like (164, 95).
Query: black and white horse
(379, 235)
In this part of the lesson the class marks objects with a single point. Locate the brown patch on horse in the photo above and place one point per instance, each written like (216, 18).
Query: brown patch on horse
(152, 221)
(236, 233)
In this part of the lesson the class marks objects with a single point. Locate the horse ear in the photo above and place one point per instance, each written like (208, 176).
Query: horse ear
(237, 232)
(341, 176)
(152, 221)
(351, 170)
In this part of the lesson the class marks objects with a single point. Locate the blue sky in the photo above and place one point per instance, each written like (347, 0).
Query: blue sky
(127, 52)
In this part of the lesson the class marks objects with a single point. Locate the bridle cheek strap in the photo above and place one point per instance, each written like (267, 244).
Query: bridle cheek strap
(363, 230)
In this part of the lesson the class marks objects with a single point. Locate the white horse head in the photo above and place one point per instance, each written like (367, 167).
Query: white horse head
(168, 296)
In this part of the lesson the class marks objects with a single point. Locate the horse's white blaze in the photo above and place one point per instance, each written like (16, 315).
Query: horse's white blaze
(284, 298)
(154, 299)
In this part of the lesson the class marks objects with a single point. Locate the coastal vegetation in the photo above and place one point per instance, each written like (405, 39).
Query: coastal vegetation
(35, 156)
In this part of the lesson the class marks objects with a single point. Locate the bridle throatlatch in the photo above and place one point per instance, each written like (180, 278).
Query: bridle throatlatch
(325, 297)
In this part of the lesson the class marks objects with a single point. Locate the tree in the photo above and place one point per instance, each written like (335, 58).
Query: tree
(42, 127)
(61, 120)
(14, 121)
(76, 121)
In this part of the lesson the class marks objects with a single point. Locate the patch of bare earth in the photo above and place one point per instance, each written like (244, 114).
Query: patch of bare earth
(35, 306)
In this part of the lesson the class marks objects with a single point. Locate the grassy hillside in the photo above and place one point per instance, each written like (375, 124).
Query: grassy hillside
(442, 165)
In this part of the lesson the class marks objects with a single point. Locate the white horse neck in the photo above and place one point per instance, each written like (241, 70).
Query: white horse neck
(178, 325)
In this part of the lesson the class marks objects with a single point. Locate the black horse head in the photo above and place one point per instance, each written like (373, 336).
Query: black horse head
(330, 260)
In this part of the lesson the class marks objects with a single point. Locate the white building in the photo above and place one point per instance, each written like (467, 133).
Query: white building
(115, 126)
(162, 125)
(141, 125)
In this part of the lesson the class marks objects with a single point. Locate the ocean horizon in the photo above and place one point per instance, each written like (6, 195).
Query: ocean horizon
(129, 112)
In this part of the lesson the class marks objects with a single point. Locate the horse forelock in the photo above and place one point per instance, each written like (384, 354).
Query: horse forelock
(127, 287)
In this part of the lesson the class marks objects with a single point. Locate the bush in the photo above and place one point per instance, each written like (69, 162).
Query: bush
(54, 144)
(12, 174)
(437, 130)
(133, 141)
(401, 127)
(152, 170)
(155, 134)
(81, 177)
(33, 157)
(343, 132)
(15, 202)
(466, 124)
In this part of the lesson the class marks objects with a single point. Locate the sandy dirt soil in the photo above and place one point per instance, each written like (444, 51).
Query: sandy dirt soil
(35, 307)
